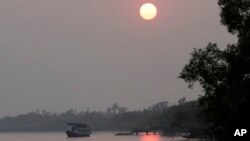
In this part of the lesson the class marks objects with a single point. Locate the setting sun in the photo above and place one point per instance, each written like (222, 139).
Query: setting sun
(148, 11)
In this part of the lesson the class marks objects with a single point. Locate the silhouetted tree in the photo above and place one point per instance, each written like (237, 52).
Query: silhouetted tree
(116, 109)
(224, 74)
(235, 15)
(182, 100)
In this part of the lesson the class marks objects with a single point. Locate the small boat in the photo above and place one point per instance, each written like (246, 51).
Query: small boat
(78, 130)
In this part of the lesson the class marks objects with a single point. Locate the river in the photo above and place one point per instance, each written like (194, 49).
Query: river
(97, 136)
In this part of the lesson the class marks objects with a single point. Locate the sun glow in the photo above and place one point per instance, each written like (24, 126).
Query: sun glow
(150, 138)
(148, 11)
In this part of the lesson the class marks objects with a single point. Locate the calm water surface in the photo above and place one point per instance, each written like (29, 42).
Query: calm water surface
(101, 136)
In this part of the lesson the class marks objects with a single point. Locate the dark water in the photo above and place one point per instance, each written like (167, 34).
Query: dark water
(100, 136)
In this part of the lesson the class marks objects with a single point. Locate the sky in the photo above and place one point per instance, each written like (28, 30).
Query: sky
(62, 54)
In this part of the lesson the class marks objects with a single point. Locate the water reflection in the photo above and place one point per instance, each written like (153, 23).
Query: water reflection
(150, 138)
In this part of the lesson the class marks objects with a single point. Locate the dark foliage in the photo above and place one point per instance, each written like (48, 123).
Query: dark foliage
(224, 74)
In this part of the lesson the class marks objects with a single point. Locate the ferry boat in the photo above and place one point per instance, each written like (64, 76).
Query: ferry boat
(78, 130)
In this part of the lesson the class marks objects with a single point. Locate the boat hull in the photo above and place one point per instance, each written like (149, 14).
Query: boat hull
(71, 134)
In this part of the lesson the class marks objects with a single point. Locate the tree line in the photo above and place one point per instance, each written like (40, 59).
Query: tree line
(183, 117)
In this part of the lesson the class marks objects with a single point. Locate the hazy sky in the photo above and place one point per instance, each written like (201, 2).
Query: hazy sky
(61, 54)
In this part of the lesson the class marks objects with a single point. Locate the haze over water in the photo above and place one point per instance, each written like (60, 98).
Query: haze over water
(101, 136)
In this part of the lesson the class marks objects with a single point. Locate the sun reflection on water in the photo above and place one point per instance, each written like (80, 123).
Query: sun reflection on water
(150, 138)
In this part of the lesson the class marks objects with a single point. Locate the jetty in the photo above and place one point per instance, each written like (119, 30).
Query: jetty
(146, 131)
(137, 131)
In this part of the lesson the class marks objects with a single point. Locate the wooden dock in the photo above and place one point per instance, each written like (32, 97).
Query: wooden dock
(146, 131)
